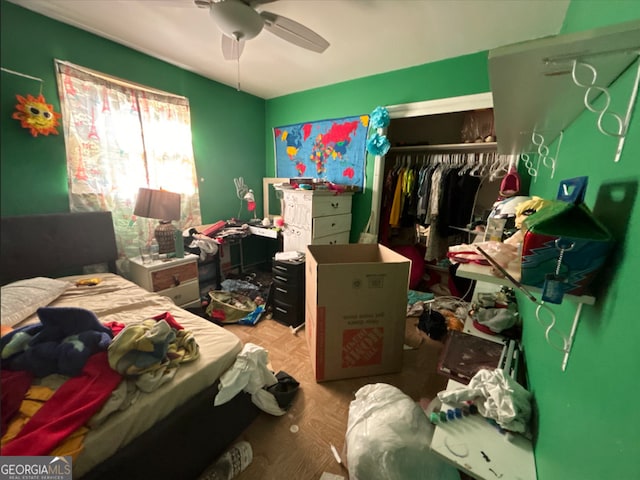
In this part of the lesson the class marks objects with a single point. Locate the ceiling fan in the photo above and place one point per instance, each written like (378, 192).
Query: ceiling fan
(240, 20)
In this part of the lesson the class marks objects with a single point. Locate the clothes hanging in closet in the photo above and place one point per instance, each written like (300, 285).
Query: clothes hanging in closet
(438, 192)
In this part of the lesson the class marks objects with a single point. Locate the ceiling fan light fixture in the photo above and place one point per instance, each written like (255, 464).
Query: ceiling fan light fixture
(236, 19)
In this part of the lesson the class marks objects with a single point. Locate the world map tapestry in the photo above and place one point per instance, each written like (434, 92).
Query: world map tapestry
(333, 150)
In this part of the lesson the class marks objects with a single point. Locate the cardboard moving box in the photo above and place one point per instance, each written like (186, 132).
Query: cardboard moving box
(356, 308)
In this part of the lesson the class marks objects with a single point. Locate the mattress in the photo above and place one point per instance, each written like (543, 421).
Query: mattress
(117, 299)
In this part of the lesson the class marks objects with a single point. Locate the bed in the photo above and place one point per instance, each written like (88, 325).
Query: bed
(172, 431)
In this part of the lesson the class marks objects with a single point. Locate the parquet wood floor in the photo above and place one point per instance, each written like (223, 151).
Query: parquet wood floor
(296, 446)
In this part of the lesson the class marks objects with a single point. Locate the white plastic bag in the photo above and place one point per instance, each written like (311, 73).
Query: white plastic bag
(388, 438)
(366, 236)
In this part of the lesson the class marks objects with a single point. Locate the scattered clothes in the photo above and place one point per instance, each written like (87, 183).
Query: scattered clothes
(231, 285)
(433, 324)
(416, 301)
(285, 390)
(498, 397)
(61, 343)
(69, 408)
(250, 373)
(14, 385)
(495, 320)
(152, 350)
(229, 307)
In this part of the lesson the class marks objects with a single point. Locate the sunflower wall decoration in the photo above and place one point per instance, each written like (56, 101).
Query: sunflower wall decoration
(36, 115)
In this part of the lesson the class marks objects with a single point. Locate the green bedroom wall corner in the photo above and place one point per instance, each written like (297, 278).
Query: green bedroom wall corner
(227, 125)
(465, 75)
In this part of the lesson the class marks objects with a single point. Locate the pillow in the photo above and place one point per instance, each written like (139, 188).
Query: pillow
(21, 299)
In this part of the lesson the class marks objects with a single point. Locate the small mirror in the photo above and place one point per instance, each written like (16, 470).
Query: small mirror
(270, 200)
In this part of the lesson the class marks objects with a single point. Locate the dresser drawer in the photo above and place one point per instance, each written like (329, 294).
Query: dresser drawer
(288, 314)
(331, 205)
(289, 294)
(300, 207)
(288, 269)
(183, 294)
(324, 226)
(338, 238)
(173, 276)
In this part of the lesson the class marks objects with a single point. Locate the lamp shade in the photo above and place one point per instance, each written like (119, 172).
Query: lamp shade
(163, 205)
(159, 204)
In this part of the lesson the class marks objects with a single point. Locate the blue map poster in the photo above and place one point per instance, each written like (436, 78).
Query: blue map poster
(333, 150)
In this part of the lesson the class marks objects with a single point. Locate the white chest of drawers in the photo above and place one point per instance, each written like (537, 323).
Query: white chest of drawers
(315, 218)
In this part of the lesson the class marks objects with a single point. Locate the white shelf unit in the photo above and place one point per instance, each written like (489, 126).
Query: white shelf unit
(448, 147)
(539, 86)
(484, 273)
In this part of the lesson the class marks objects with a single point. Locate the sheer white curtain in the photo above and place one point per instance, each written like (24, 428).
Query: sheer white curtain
(119, 137)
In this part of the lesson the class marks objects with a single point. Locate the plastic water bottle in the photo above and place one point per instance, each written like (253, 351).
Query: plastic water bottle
(231, 463)
(155, 250)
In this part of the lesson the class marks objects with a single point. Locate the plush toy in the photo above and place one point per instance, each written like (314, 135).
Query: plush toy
(36, 114)
(522, 211)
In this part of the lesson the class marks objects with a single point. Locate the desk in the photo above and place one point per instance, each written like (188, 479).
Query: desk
(236, 239)
(462, 442)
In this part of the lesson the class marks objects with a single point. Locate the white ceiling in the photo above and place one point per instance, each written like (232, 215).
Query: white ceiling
(366, 36)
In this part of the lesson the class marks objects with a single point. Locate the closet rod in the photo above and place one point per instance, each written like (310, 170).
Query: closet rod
(450, 147)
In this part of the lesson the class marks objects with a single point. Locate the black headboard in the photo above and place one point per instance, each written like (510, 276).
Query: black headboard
(55, 244)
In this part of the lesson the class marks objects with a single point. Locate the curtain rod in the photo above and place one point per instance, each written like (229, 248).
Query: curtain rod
(119, 81)
(13, 72)
(24, 75)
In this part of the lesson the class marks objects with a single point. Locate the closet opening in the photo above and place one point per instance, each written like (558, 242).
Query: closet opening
(440, 179)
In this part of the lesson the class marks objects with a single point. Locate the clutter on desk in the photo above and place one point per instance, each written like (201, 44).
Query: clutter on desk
(496, 313)
(557, 245)
(498, 396)
(464, 355)
(504, 253)
(317, 184)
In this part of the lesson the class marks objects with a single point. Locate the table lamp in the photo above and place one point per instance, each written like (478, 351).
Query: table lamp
(164, 206)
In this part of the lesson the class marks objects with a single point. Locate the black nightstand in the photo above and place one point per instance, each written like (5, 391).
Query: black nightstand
(288, 291)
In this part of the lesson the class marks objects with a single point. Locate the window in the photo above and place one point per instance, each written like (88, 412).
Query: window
(121, 136)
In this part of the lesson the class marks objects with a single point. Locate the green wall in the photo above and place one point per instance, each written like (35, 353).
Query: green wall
(449, 78)
(588, 428)
(587, 423)
(227, 125)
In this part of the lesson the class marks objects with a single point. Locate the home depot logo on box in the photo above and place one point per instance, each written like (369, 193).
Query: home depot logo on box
(362, 347)
(372, 281)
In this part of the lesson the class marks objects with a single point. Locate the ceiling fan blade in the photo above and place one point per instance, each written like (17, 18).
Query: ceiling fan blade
(257, 3)
(231, 48)
(293, 32)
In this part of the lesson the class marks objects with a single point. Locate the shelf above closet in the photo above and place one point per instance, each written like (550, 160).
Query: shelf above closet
(532, 85)
(450, 147)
